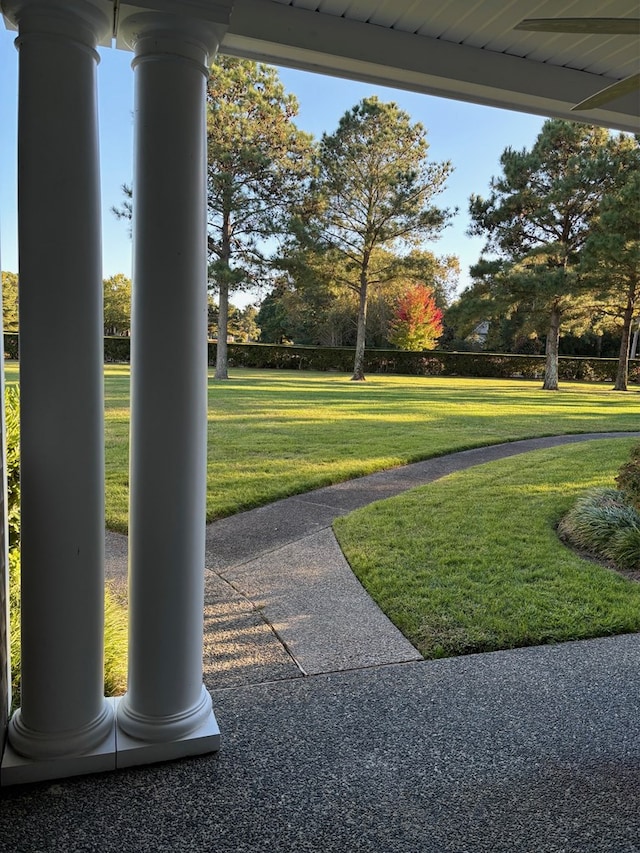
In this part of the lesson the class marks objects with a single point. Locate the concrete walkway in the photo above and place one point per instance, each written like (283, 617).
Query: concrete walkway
(338, 737)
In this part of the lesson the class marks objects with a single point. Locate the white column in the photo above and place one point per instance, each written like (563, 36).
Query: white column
(63, 714)
(167, 712)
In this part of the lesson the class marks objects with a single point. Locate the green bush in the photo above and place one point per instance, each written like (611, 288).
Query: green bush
(432, 363)
(628, 479)
(115, 652)
(117, 349)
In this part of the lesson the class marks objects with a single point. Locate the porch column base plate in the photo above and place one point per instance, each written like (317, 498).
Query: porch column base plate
(132, 752)
(18, 770)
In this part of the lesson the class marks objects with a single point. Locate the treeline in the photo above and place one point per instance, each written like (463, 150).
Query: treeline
(337, 231)
(560, 272)
(334, 224)
(337, 234)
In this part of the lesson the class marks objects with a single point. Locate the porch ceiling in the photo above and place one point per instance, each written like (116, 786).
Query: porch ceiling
(462, 49)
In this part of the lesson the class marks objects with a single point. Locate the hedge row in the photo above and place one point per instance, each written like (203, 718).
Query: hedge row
(340, 359)
(493, 365)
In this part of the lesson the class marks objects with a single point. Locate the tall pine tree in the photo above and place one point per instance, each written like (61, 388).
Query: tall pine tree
(374, 191)
(538, 217)
(257, 163)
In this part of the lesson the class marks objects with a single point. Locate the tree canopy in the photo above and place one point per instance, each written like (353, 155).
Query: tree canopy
(117, 304)
(611, 257)
(417, 323)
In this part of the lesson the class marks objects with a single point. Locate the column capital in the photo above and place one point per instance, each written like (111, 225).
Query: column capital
(87, 21)
(168, 26)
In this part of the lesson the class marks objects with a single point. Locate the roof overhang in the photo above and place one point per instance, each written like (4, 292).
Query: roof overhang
(312, 40)
(468, 50)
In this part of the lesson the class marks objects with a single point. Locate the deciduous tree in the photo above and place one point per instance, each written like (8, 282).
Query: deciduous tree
(417, 323)
(117, 304)
(9, 301)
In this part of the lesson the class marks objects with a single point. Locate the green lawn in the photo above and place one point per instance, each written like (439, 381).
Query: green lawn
(472, 562)
(277, 433)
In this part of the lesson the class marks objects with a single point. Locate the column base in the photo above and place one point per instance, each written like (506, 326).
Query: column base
(117, 751)
(18, 770)
(202, 740)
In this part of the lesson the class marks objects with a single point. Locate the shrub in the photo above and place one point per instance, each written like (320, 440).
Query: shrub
(12, 430)
(628, 479)
(117, 349)
(115, 652)
(14, 624)
(432, 363)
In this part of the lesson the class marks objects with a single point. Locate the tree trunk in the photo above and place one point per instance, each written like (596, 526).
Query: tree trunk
(358, 367)
(223, 322)
(599, 346)
(551, 351)
(622, 374)
(222, 371)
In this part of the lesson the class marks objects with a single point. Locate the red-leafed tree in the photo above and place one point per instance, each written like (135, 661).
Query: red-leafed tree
(417, 324)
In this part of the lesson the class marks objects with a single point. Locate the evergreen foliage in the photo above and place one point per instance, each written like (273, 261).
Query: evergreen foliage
(611, 258)
(257, 165)
(539, 215)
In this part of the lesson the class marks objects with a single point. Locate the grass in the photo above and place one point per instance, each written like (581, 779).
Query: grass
(495, 575)
(277, 433)
(116, 643)
(472, 563)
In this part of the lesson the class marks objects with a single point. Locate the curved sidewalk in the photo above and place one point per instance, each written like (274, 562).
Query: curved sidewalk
(281, 601)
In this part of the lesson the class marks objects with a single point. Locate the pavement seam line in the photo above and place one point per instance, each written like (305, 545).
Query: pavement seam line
(260, 612)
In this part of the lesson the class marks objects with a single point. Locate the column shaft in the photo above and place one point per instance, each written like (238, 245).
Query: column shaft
(166, 699)
(61, 376)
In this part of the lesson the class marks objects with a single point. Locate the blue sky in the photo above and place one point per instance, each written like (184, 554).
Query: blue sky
(472, 137)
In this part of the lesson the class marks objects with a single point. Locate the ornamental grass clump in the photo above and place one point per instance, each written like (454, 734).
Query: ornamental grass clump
(628, 479)
(624, 549)
(605, 524)
(115, 617)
